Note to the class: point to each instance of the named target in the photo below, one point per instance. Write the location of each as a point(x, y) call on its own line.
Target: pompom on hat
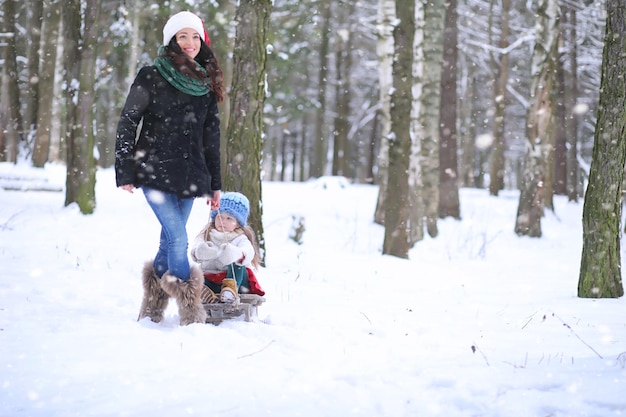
point(181, 21)
point(234, 204)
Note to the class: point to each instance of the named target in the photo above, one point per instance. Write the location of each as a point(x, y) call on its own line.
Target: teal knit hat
point(234, 204)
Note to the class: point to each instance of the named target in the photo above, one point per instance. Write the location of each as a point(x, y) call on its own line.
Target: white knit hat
point(181, 21)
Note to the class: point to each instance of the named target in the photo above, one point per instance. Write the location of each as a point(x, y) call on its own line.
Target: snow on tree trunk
point(600, 268)
point(540, 121)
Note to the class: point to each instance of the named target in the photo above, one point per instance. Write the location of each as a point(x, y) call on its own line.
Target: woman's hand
point(214, 202)
point(128, 187)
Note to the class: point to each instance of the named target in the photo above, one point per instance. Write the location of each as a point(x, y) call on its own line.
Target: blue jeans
point(173, 213)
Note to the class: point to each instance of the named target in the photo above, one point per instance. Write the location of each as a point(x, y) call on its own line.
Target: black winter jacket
point(178, 149)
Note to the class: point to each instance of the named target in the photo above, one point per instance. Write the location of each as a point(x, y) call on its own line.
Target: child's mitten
point(206, 251)
point(229, 254)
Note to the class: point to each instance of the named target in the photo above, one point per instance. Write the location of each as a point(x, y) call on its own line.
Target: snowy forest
point(420, 98)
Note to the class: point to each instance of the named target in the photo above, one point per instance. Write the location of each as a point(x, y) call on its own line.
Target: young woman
point(174, 158)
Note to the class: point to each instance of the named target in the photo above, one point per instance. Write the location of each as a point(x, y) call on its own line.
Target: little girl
point(227, 253)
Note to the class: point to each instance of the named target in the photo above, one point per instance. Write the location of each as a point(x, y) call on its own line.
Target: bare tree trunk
point(416, 176)
point(320, 140)
point(343, 63)
point(369, 176)
point(302, 162)
point(245, 125)
point(540, 122)
point(33, 58)
point(571, 120)
point(449, 203)
point(293, 141)
point(81, 164)
point(71, 43)
point(501, 71)
point(283, 156)
point(46, 84)
point(397, 199)
point(468, 135)
point(600, 268)
point(273, 149)
point(385, 52)
point(560, 115)
point(13, 125)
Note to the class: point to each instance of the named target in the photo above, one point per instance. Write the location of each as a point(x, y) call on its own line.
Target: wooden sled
point(247, 307)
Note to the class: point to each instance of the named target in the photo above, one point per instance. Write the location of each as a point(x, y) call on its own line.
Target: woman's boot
point(187, 294)
point(154, 298)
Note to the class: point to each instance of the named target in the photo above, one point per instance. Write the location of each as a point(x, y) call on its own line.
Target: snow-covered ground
point(479, 322)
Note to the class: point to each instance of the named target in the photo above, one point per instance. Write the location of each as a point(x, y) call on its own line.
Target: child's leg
point(238, 273)
point(213, 286)
point(235, 275)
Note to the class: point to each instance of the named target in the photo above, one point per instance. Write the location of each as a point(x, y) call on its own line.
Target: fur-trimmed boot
point(187, 294)
point(229, 293)
point(154, 298)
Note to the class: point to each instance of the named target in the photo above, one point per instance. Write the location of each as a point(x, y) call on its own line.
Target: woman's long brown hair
point(206, 58)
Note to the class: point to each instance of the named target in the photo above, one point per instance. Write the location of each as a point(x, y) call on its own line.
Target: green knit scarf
point(177, 79)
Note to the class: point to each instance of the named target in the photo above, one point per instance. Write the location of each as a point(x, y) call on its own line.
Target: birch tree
point(433, 24)
point(600, 267)
point(247, 96)
point(540, 121)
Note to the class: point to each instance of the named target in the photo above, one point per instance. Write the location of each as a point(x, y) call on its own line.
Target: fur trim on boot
point(187, 294)
point(154, 298)
point(229, 293)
